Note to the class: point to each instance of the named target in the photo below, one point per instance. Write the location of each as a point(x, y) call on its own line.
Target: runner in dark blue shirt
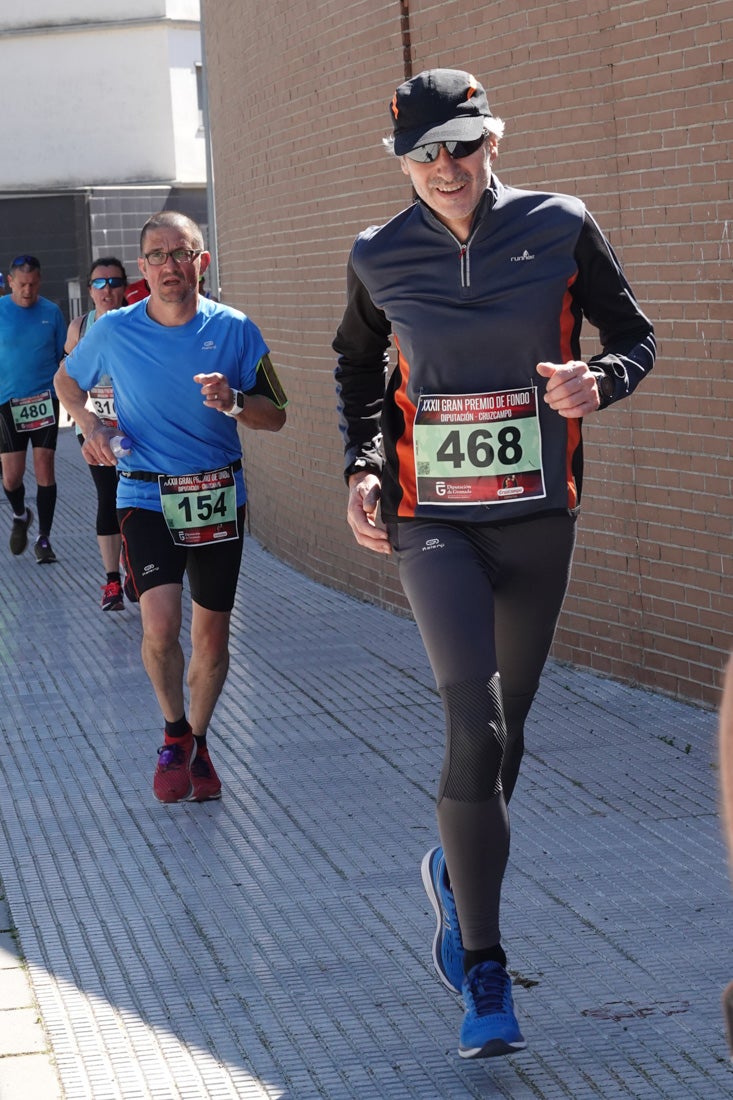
point(472, 449)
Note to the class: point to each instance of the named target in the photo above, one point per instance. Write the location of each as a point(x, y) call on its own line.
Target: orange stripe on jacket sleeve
point(404, 445)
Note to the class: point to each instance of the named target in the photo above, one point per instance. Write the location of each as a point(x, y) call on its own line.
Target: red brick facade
point(626, 105)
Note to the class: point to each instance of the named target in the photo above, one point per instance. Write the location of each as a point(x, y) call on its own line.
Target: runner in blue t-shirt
point(32, 332)
point(181, 494)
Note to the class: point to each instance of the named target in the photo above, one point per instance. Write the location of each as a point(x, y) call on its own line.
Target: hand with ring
point(216, 391)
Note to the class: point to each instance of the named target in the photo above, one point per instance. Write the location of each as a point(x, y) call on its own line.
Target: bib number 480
point(34, 412)
point(479, 450)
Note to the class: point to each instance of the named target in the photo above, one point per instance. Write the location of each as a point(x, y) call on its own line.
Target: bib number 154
point(203, 507)
point(200, 508)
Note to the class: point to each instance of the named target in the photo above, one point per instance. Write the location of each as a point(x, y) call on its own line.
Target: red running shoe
point(112, 598)
point(206, 783)
point(172, 779)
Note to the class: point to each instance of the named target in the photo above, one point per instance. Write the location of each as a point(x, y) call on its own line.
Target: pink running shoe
point(206, 783)
point(172, 779)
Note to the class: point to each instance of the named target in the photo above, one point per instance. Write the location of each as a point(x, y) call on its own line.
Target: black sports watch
point(360, 466)
point(237, 404)
point(606, 387)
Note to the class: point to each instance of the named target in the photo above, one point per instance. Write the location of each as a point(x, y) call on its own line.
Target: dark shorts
point(12, 441)
point(154, 559)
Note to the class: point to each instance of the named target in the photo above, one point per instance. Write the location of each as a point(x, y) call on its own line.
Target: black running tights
point(486, 600)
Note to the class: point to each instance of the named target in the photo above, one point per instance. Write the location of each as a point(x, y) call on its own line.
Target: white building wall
point(63, 12)
point(100, 101)
point(184, 54)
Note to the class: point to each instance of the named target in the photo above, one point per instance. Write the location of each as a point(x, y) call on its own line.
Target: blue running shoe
point(447, 942)
point(490, 1027)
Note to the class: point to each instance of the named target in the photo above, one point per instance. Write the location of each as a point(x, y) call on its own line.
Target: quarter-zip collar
point(481, 212)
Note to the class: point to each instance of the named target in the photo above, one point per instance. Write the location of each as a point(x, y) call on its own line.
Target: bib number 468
point(479, 450)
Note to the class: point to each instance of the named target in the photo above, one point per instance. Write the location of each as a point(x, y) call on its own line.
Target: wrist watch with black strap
point(238, 402)
point(606, 386)
point(361, 466)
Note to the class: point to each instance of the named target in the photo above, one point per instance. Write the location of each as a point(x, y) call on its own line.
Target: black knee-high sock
point(17, 499)
point(46, 501)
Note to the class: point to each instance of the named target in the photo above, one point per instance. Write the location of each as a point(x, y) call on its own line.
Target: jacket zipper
point(464, 258)
point(465, 266)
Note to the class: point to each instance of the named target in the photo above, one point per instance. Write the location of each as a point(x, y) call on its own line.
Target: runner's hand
point(364, 490)
point(216, 391)
point(95, 447)
point(572, 390)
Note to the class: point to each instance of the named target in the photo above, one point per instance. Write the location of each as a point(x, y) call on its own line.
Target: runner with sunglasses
point(32, 331)
point(186, 372)
point(473, 452)
point(106, 283)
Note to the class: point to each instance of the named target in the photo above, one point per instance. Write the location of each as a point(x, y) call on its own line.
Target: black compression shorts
point(12, 441)
point(154, 559)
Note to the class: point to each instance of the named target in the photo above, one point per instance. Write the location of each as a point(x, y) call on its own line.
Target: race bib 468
point(479, 448)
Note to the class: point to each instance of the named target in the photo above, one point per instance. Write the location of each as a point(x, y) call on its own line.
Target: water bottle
point(120, 446)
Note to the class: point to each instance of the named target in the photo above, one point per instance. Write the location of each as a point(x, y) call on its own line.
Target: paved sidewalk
point(277, 944)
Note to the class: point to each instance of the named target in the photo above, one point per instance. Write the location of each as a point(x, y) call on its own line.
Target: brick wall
point(626, 105)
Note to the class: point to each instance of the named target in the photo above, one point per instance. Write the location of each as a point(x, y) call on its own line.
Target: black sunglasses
point(426, 154)
point(101, 282)
point(26, 261)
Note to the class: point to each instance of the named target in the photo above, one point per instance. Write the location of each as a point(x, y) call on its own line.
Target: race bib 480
point(31, 413)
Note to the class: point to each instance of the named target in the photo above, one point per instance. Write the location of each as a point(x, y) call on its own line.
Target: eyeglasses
point(26, 261)
point(181, 256)
point(114, 281)
point(425, 154)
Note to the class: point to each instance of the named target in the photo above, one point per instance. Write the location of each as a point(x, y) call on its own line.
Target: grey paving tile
point(30, 1076)
point(19, 1032)
point(10, 953)
point(15, 990)
point(276, 945)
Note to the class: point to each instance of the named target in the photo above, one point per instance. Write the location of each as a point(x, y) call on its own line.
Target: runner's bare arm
point(261, 411)
point(96, 436)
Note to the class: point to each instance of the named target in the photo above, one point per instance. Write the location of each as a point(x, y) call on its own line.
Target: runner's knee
point(476, 739)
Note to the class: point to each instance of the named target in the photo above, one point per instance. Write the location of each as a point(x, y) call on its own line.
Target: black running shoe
point(44, 550)
point(19, 533)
